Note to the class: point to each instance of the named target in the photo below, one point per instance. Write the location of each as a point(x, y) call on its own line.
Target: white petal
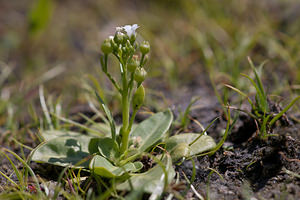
point(128, 29)
point(119, 28)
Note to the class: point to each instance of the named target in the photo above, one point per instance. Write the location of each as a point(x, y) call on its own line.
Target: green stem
point(132, 119)
point(131, 83)
point(125, 112)
point(124, 130)
point(131, 158)
point(113, 82)
point(142, 60)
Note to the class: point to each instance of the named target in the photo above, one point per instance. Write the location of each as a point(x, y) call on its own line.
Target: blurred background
point(56, 44)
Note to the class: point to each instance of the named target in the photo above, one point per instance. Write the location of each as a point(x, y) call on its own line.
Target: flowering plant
point(116, 151)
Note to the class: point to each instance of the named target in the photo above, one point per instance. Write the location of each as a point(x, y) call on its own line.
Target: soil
point(248, 167)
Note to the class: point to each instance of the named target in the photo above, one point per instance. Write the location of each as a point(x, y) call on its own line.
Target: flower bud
point(145, 47)
point(140, 75)
point(119, 37)
point(106, 47)
point(146, 58)
point(133, 64)
point(138, 97)
point(129, 47)
point(132, 39)
point(114, 46)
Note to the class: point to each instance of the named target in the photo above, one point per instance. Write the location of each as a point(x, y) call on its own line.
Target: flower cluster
point(123, 45)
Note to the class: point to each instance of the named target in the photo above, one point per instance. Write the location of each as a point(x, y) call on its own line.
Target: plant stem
point(142, 60)
point(125, 112)
point(124, 130)
point(132, 119)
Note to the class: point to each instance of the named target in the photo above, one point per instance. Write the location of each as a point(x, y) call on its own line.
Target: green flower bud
point(119, 37)
point(129, 47)
point(145, 47)
point(140, 75)
point(138, 97)
point(133, 64)
point(132, 39)
point(146, 58)
point(106, 47)
point(114, 46)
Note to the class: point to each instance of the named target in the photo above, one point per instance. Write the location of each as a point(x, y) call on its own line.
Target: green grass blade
point(260, 85)
point(27, 166)
point(241, 93)
point(184, 122)
point(17, 172)
point(98, 87)
point(77, 124)
point(10, 180)
point(44, 107)
point(210, 124)
point(221, 142)
point(259, 82)
point(219, 145)
point(57, 188)
point(109, 115)
point(262, 101)
point(263, 129)
point(22, 145)
point(98, 113)
point(284, 110)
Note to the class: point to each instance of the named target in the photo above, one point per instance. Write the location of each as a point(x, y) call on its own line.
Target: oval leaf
point(153, 181)
point(63, 151)
point(51, 134)
point(107, 147)
point(178, 145)
point(102, 167)
point(102, 128)
point(152, 129)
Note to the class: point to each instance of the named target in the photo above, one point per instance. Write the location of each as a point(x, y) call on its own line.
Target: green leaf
point(64, 151)
point(107, 147)
point(51, 134)
point(257, 78)
point(102, 167)
point(101, 127)
point(109, 115)
point(184, 117)
point(152, 129)
point(261, 95)
point(136, 194)
point(179, 147)
point(261, 100)
point(241, 93)
point(153, 181)
point(105, 129)
point(277, 116)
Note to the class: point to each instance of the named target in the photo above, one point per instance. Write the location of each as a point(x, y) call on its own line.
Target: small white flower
point(128, 29)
